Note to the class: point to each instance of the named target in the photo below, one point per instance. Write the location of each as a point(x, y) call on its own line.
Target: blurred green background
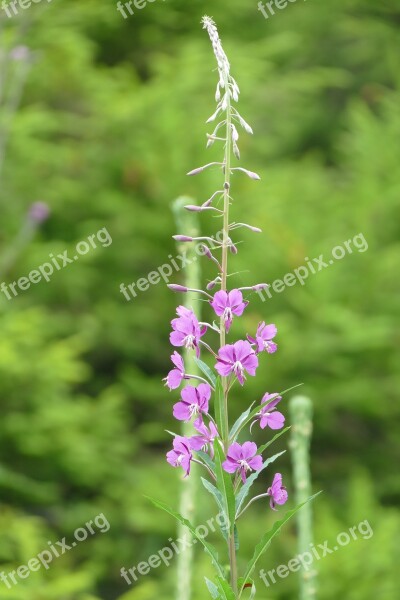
point(110, 118)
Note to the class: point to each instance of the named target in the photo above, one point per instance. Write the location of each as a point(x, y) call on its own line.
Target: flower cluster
point(233, 362)
point(233, 465)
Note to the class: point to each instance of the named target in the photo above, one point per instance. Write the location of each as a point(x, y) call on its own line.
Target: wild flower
point(232, 466)
point(242, 459)
point(194, 403)
point(277, 491)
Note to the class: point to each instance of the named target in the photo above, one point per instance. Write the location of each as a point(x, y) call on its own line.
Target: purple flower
point(237, 358)
point(186, 330)
point(194, 402)
point(277, 491)
point(206, 438)
point(265, 333)
point(20, 53)
point(175, 376)
point(39, 212)
point(181, 455)
point(268, 416)
point(228, 304)
point(243, 459)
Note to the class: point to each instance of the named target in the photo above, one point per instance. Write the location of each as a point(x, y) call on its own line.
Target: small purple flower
point(228, 304)
point(39, 212)
point(175, 376)
point(194, 402)
point(181, 455)
point(186, 330)
point(277, 491)
point(243, 459)
point(206, 438)
point(20, 53)
point(268, 416)
point(265, 333)
point(237, 358)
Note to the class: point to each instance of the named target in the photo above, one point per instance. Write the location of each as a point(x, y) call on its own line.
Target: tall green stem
point(224, 275)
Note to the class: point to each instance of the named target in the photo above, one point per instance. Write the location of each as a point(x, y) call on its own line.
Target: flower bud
point(177, 288)
point(250, 174)
point(193, 208)
point(182, 238)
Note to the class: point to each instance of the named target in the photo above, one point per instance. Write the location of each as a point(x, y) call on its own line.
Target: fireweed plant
point(231, 466)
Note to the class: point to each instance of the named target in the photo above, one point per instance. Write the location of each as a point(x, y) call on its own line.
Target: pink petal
point(268, 332)
point(235, 451)
point(223, 369)
point(249, 449)
point(181, 411)
point(256, 463)
point(276, 420)
point(178, 361)
point(177, 338)
point(188, 394)
point(174, 379)
point(229, 466)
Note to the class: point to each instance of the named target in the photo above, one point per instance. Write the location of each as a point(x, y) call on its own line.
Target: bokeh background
point(101, 121)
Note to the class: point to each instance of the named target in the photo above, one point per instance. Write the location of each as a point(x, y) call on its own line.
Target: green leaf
point(268, 444)
point(207, 371)
point(211, 551)
point(225, 485)
point(236, 537)
point(219, 408)
point(268, 537)
point(225, 590)
point(206, 459)
point(237, 425)
point(240, 498)
point(222, 591)
point(219, 500)
point(212, 588)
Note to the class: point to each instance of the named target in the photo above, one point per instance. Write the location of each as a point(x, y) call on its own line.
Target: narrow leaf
point(268, 444)
point(268, 537)
point(225, 485)
point(206, 459)
point(211, 551)
point(237, 425)
point(219, 408)
point(236, 536)
point(225, 589)
point(212, 588)
point(207, 371)
point(219, 500)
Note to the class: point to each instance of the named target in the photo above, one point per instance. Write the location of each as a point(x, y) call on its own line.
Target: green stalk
point(301, 418)
point(224, 275)
point(188, 222)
